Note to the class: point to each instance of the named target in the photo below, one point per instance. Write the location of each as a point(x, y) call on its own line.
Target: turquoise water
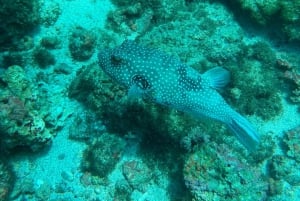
point(70, 131)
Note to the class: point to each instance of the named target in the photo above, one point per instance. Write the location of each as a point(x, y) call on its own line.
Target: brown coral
point(292, 142)
point(291, 75)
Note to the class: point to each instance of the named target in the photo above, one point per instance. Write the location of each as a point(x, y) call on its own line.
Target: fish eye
point(115, 59)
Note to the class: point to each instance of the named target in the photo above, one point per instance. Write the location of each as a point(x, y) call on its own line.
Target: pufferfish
point(152, 74)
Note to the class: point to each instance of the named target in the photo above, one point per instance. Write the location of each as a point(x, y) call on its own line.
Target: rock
point(63, 68)
point(67, 176)
point(137, 174)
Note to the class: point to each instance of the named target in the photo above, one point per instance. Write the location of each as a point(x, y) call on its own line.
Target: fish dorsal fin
point(218, 77)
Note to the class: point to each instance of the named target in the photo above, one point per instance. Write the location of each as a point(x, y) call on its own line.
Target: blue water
point(70, 132)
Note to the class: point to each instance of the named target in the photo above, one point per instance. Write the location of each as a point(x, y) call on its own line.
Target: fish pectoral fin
point(135, 91)
point(218, 77)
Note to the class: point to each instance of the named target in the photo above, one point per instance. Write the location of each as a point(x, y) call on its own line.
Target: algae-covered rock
point(17, 19)
point(282, 168)
point(17, 82)
point(279, 167)
point(6, 180)
point(291, 140)
point(135, 18)
point(21, 122)
point(284, 15)
point(122, 115)
point(260, 11)
point(215, 172)
point(82, 44)
point(137, 174)
point(102, 155)
point(122, 190)
point(43, 57)
point(290, 15)
point(21, 126)
point(265, 149)
point(255, 82)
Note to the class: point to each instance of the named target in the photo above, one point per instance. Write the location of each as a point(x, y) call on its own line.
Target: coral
point(21, 125)
point(24, 19)
point(291, 140)
point(102, 155)
point(288, 64)
point(146, 121)
point(275, 188)
point(137, 18)
point(265, 150)
point(50, 42)
point(278, 167)
point(130, 19)
point(6, 180)
point(17, 82)
point(50, 12)
point(263, 52)
point(215, 172)
point(202, 47)
point(293, 76)
point(261, 11)
point(122, 191)
point(82, 44)
point(43, 57)
point(265, 13)
point(283, 169)
point(256, 67)
point(15, 109)
point(195, 137)
point(94, 88)
point(86, 126)
point(137, 174)
point(290, 15)
point(12, 58)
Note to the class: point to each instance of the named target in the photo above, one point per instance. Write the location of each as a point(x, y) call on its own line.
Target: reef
point(51, 42)
point(290, 74)
point(203, 48)
point(14, 27)
point(184, 157)
point(281, 15)
point(102, 154)
point(291, 142)
point(136, 18)
point(82, 44)
point(256, 66)
point(282, 168)
point(137, 174)
point(43, 57)
point(245, 58)
point(216, 172)
point(22, 123)
point(6, 179)
point(110, 104)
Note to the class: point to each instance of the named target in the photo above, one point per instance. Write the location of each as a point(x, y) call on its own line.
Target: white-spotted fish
point(152, 74)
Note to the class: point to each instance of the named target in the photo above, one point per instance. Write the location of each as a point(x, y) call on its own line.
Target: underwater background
point(68, 132)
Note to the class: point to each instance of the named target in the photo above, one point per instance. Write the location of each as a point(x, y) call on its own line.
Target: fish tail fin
point(244, 131)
